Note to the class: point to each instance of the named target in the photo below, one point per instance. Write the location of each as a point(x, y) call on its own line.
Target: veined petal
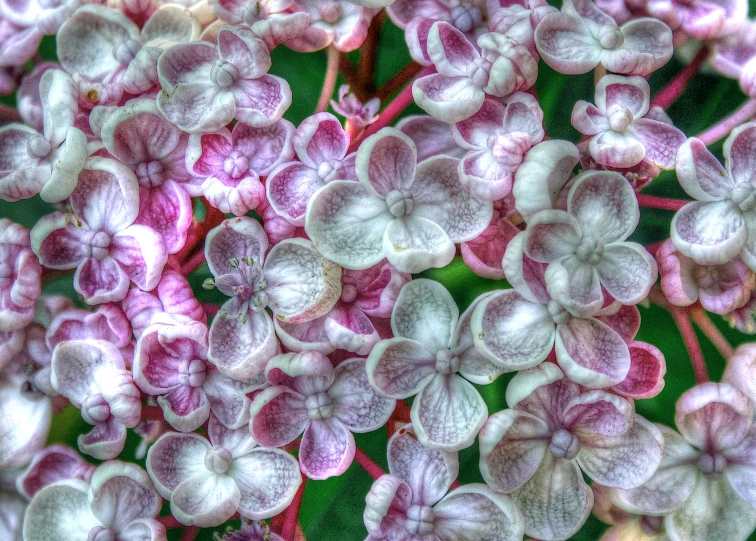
point(206, 501)
point(278, 416)
point(448, 99)
point(268, 479)
point(261, 102)
point(356, 404)
point(399, 368)
point(414, 244)
point(627, 271)
point(386, 161)
point(700, 173)
point(327, 449)
point(60, 512)
point(475, 512)
point(709, 232)
point(426, 313)
point(566, 44)
point(239, 349)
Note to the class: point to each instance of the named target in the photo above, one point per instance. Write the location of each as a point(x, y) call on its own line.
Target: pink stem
point(399, 104)
point(190, 532)
point(332, 72)
point(712, 333)
point(170, 522)
point(152, 413)
point(675, 88)
point(691, 344)
point(399, 80)
point(721, 130)
point(194, 262)
point(289, 528)
point(373, 469)
point(654, 202)
point(653, 248)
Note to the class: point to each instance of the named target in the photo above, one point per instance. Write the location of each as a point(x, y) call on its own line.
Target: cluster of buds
point(167, 161)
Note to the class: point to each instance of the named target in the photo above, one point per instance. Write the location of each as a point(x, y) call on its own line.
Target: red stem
point(724, 127)
point(194, 262)
point(289, 529)
point(712, 333)
point(399, 104)
point(152, 413)
point(399, 80)
point(210, 309)
point(9, 115)
point(329, 84)
point(675, 88)
point(691, 344)
point(373, 469)
point(170, 522)
point(190, 532)
point(654, 202)
point(653, 248)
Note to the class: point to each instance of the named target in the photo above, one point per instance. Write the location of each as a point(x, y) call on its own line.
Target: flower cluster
point(160, 143)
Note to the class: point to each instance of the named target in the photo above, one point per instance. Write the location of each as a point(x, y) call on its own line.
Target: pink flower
point(208, 481)
point(99, 238)
point(411, 502)
point(321, 146)
point(308, 396)
point(622, 134)
point(701, 19)
point(52, 464)
point(358, 114)
point(539, 450)
point(206, 86)
point(581, 37)
point(465, 75)
point(20, 277)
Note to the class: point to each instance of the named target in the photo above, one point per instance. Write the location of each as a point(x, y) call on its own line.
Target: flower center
point(38, 147)
point(712, 465)
point(610, 36)
point(348, 293)
point(509, 149)
point(744, 196)
point(98, 533)
point(447, 362)
point(192, 373)
point(620, 118)
point(331, 12)
point(564, 445)
point(95, 244)
point(319, 406)
point(557, 312)
point(218, 459)
point(150, 174)
point(223, 73)
point(95, 410)
point(480, 71)
point(465, 17)
point(331, 170)
point(236, 164)
point(707, 276)
point(590, 250)
point(400, 203)
point(125, 50)
point(419, 520)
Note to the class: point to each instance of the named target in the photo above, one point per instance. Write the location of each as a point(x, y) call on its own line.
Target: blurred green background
point(332, 509)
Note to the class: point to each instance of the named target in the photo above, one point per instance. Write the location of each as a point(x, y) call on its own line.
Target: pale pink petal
point(239, 238)
point(266, 147)
point(245, 50)
point(386, 162)
point(710, 233)
point(268, 479)
point(425, 312)
point(197, 107)
point(327, 449)
point(279, 415)
point(174, 458)
point(604, 205)
point(646, 376)
point(54, 463)
point(512, 447)
point(551, 234)
point(566, 44)
point(356, 404)
point(661, 141)
point(432, 137)
point(448, 99)
point(400, 368)
point(101, 280)
point(449, 50)
point(347, 224)
point(241, 349)
point(700, 173)
point(105, 441)
point(289, 188)
point(60, 513)
point(350, 329)
point(647, 47)
point(140, 252)
point(476, 512)
point(24, 425)
point(121, 493)
point(206, 501)
point(320, 139)
point(627, 271)
point(261, 102)
point(385, 508)
point(738, 150)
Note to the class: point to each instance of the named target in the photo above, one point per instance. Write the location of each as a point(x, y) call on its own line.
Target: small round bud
point(400, 203)
point(610, 36)
point(218, 459)
point(223, 73)
point(564, 445)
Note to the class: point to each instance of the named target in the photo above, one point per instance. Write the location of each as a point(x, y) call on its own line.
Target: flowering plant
point(478, 292)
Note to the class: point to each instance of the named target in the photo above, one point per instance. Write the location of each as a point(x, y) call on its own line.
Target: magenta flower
point(107, 323)
point(466, 75)
point(717, 227)
point(340, 22)
point(358, 114)
point(411, 502)
point(208, 481)
point(432, 355)
point(581, 37)
point(585, 246)
point(353, 324)
point(517, 329)
point(294, 281)
point(229, 164)
point(171, 301)
point(321, 145)
point(538, 450)
point(93, 376)
point(142, 140)
point(170, 362)
point(411, 214)
point(326, 405)
point(621, 134)
point(720, 288)
point(20, 277)
point(99, 238)
point(484, 254)
point(497, 138)
point(206, 86)
point(119, 503)
point(701, 19)
point(705, 483)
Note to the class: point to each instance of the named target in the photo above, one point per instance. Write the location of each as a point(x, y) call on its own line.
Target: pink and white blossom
point(20, 277)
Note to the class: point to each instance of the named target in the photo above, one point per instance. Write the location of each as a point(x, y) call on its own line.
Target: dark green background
point(332, 509)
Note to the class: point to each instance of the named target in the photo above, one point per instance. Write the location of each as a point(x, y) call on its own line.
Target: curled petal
point(709, 233)
point(476, 512)
point(448, 99)
point(426, 313)
point(240, 349)
point(60, 512)
point(174, 458)
point(206, 500)
point(386, 161)
point(327, 449)
point(566, 44)
point(278, 416)
point(399, 368)
point(268, 479)
point(356, 404)
point(700, 173)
